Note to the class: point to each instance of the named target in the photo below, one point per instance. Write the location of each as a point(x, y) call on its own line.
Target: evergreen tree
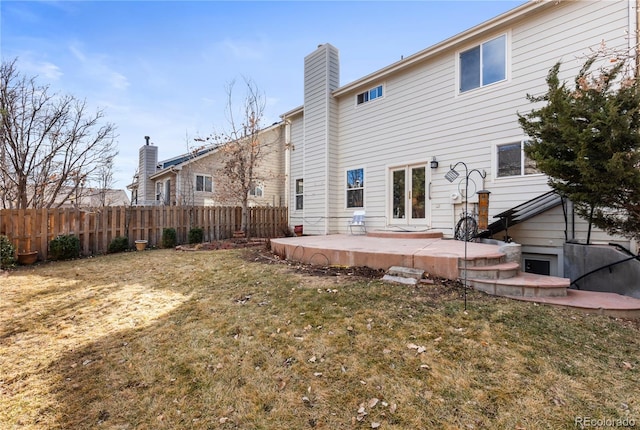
point(586, 139)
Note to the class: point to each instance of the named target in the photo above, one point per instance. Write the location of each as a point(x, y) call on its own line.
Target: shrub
point(196, 235)
point(7, 252)
point(169, 238)
point(64, 247)
point(118, 244)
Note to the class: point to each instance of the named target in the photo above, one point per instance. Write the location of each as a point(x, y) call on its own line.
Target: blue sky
point(161, 68)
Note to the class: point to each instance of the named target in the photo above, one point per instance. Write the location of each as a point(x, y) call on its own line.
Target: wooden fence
point(32, 229)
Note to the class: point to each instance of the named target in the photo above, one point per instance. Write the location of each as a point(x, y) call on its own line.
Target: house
point(77, 197)
point(386, 142)
point(92, 198)
point(195, 178)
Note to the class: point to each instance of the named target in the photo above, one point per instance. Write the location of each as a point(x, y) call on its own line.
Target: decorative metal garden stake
point(451, 176)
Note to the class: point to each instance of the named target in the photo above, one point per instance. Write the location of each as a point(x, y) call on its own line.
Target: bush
point(7, 252)
point(196, 235)
point(169, 238)
point(64, 247)
point(118, 244)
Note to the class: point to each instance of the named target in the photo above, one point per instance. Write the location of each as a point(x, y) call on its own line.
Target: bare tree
point(104, 178)
point(52, 146)
point(242, 149)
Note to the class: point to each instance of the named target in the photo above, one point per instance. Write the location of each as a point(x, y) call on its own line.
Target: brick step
point(523, 285)
point(497, 271)
point(481, 261)
point(403, 275)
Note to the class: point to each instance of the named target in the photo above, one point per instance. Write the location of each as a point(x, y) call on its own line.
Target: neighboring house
point(195, 178)
point(94, 198)
point(82, 198)
point(385, 142)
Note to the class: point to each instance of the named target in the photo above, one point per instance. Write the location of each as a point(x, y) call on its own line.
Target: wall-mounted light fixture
point(434, 163)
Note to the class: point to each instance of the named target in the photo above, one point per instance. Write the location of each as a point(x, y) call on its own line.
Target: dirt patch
point(264, 255)
point(223, 244)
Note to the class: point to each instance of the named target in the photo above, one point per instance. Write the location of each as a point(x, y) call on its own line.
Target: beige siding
point(321, 77)
point(548, 230)
point(269, 172)
point(296, 217)
point(421, 114)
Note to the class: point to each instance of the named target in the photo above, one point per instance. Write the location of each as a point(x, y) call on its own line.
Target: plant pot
point(141, 245)
point(27, 258)
point(297, 230)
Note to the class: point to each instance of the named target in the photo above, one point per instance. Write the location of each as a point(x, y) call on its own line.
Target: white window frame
point(204, 183)
point(507, 65)
point(371, 94)
point(296, 194)
point(496, 160)
point(255, 186)
point(347, 189)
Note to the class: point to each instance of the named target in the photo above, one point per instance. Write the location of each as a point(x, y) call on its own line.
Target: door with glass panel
point(408, 199)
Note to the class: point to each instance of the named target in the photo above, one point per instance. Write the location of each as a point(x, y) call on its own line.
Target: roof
point(523, 212)
point(505, 19)
point(178, 161)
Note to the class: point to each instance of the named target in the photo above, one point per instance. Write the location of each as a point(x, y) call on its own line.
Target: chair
point(358, 222)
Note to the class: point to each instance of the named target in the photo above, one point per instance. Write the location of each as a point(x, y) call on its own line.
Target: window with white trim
point(299, 194)
point(355, 188)
point(256, 189)
point(367, 96)
point(483, 64)
point(204, 183)
point(512, 160)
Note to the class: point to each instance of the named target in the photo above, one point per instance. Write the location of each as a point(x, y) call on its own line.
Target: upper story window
point(355, 188)
point(367, 96)
point(512, 160)
point(256, 189)
point(204, 183)
point(484, 64)
point(299, 194)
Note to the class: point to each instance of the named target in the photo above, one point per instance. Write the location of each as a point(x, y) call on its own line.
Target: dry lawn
point(228, 339)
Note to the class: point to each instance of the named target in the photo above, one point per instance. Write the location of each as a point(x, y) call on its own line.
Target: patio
point(489, 268)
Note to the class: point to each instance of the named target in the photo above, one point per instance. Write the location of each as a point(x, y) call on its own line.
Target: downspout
point(634, 30)
point(636, 41)
point(287, 167)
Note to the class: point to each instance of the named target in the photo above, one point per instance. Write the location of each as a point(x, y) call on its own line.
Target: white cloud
point(244, 49)
point(98, 67)
point(51, 71)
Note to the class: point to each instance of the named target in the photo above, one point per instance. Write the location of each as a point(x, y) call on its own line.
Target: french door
point(408, 199)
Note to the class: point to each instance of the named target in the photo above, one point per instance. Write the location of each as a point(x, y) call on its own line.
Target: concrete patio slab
point(445, 258)
point(436, 256)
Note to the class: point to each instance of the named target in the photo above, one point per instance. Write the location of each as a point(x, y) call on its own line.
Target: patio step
point(492, 259)
point(496, 271)
point(523, 285)
point(403, 275)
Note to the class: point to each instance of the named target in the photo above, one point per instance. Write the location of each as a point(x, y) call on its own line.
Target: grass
point(226, 339)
